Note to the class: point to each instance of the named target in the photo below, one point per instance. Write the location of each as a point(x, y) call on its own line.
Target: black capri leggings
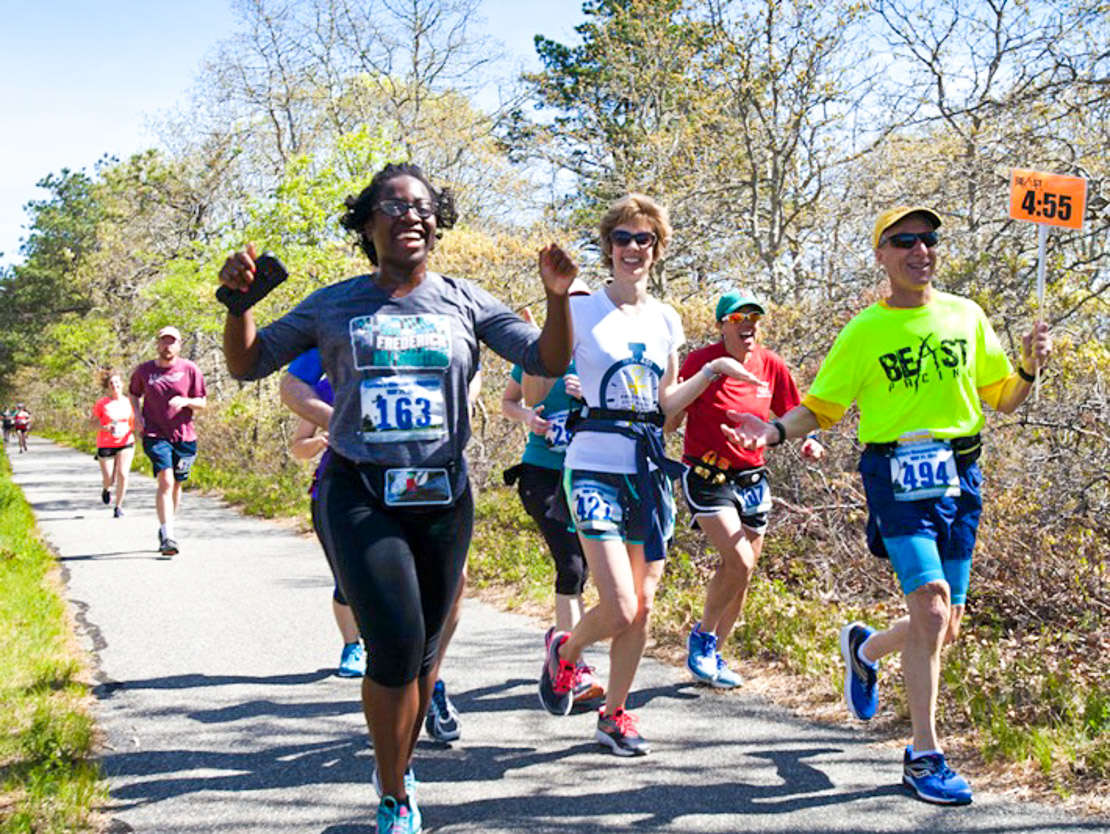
point(535, 486)
point(398, 569)
point(337, 594)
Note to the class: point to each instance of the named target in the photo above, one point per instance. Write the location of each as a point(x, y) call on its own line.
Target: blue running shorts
point(176, 454)
point(926, 540)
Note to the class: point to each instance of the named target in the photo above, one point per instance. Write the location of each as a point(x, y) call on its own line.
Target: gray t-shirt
point(399, 366)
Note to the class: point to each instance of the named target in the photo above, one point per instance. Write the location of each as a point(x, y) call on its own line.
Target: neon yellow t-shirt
point(916, 369)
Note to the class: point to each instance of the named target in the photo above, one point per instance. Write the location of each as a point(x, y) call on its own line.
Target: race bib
point(417, 487)
point(924, 470)
point(755, 499)
point(557, 437)
point(397, 409)
point(595, 506)
point(119, 429)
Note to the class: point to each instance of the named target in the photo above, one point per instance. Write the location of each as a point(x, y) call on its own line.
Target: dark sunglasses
point(907, 240)
point(620, 237)
point(397, 208)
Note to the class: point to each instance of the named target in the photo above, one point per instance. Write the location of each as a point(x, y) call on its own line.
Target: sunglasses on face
point(397, 208)
point(737, 317)
point(907, 240)
point(620, 237)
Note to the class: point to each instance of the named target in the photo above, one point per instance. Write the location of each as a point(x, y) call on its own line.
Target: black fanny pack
point(624, 415)
point(967, 449)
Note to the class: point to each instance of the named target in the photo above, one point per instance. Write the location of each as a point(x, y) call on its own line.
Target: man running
point(917, 364)
point(171, 390)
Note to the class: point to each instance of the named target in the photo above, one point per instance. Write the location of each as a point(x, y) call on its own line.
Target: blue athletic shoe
point(860, 680)
point(726, 678)
point(932, 780)
point(397, 818)
point(701, 658)
point(410, 789)
point(352, 663)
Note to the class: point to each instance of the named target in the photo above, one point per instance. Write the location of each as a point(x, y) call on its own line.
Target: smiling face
point(740, 337)
point(403, 243)
point(910, 270)
point(633, 262)
point(115, 385)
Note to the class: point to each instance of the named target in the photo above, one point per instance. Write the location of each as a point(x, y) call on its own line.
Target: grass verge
point(48, 780)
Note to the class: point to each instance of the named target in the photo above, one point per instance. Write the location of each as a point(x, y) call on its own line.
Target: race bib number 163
point(402, 408)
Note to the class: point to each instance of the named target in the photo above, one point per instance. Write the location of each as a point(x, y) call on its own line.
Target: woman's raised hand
point(557, 269)
point(238, 270)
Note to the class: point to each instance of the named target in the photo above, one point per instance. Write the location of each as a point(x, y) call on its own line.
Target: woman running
point(726, 486)
point(617, 478)
point(399, 346)
point(21, 422)
point(114, 419)
point(543, 405)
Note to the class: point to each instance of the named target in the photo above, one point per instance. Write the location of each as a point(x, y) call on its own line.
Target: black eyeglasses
point(907, 240)
point(621, 237)
point(396, 208)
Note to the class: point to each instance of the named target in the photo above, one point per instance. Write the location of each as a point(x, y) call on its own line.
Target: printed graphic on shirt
point(633, 383)
point(930, 360)
point(383, 341)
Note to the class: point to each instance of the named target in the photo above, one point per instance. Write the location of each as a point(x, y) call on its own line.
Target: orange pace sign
point(1052, 199)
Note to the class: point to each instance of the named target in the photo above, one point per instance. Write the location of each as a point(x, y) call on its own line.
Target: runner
point(300, 391)
point(171, 391)
point(8, 415)
point(543, 405)
point(617, 479)
point(917, 364)
point(308, 442)
point(726, 486)
point(114, 419)
point(21, 422)
point(399, 346)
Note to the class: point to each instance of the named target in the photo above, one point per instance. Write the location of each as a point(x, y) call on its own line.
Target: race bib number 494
point(402, 408)
point(924, 470)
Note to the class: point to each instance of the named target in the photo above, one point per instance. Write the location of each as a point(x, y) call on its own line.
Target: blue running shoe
point(442, 720)
point(860, 680)
point(410, 789)
point(397, 818)
point(932, 780)
point(701, 658)
point(726, 678)
point(352, 662)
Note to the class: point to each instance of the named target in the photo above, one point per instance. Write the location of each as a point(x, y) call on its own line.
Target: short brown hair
point(633, 207)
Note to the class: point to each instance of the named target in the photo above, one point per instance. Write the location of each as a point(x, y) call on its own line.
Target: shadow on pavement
point(107, 689)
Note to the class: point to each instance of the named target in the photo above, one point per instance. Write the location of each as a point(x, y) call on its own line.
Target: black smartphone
point(268, 273)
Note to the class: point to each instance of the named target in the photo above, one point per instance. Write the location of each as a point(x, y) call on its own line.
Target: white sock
point(917, 754)
point(167, 530)
point(874, 664)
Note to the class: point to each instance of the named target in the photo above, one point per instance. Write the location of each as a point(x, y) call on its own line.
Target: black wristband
point(1026, 376)
point(782, 432)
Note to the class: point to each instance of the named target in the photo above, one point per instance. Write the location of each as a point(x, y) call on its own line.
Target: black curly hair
point(361, 207)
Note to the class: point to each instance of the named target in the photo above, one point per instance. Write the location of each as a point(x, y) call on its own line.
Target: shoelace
point(626, 722)
point(566, 677)
point(439, 697)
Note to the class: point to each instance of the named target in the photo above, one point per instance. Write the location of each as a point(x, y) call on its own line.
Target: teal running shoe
point(701, 657)
point(410, 789)
point(397, 818)
point(932, 780)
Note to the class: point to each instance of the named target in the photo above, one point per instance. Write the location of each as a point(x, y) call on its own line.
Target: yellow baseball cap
point(892, 215)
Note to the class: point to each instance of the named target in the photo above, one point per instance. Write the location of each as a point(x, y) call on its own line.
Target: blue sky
point(84, 78)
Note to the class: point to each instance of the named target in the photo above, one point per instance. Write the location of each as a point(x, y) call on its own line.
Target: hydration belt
point(624, 415)
point(743, 478)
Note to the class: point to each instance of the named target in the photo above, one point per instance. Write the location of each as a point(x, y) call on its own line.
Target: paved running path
point(221, 713)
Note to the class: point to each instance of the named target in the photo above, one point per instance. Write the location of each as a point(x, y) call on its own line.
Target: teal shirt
point(549, 451)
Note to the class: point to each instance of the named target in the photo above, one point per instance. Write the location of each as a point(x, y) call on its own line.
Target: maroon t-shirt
point(157, 386)
point(704, 416)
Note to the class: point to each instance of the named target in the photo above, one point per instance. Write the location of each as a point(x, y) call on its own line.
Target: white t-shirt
point(621, 357)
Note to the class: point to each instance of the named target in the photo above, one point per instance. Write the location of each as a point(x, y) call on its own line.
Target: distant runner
point(917, 364)
point(166, 393)
point(114, 419)
point(21, 422)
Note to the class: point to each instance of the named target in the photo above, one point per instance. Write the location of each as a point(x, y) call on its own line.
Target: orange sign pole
point(1047, 200)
